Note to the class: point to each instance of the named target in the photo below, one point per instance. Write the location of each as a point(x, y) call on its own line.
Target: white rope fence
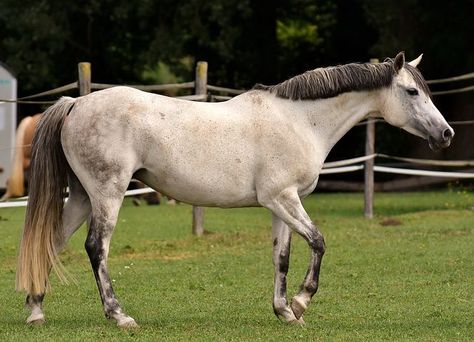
point(23, 201)
point(414, 172)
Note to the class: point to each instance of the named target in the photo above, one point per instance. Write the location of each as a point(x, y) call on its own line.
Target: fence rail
point(153, 87)
point(452, 79)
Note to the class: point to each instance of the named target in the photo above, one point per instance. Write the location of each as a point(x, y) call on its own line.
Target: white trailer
point(8, 91)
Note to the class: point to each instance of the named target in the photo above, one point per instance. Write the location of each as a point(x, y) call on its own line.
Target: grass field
point(406, 275)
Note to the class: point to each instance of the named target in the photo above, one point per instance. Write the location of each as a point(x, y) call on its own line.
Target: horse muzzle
point(442, 141)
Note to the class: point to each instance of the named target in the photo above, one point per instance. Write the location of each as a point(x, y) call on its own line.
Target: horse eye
point(412, 91)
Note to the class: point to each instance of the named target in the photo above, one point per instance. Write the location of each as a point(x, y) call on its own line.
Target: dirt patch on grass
point(159, 255)
point(390, 221)
point(192, 247)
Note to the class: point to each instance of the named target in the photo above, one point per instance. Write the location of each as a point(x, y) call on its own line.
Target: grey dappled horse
point(265, 147)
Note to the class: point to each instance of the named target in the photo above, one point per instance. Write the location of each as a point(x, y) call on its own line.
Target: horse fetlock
point(282, 310)
point(310, 286)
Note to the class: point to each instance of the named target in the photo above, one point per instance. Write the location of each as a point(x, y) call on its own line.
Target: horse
point(21, 157)
point(265, 147)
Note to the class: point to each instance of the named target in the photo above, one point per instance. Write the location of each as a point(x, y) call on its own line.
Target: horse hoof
point(298, 308)
point(127, 323)
point(299, 321)
point(35, 320)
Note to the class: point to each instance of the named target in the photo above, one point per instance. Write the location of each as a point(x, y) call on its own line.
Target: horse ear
point(414, 63)
point(399, 61)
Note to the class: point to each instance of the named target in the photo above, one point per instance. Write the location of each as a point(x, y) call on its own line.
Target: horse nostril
point(447, 134)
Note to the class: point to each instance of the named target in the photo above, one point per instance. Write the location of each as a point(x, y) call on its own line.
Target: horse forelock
point(329, 82)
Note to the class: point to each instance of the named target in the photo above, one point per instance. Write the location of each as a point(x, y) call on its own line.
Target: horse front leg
point(287, 206)
point(281, 235)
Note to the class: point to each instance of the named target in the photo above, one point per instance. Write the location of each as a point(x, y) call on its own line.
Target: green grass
point(406, 275)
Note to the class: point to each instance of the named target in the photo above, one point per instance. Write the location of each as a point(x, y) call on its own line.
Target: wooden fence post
point(84, 69)
point(369, 166)
point(200, 87)
point(369, 170)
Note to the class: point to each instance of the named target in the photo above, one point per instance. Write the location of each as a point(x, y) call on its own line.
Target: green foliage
point(406, 275)
point(294, 32)
point(161, 73)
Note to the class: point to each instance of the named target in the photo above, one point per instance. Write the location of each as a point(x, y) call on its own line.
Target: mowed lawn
point(406, 275)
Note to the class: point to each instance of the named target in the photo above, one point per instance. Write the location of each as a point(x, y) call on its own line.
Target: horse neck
point(332, 118)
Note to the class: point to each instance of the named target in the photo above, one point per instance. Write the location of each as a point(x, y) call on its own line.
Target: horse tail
point(43, 222)
point(16, 181)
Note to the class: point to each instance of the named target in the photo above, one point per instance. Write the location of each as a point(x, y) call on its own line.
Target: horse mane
point(323, 83)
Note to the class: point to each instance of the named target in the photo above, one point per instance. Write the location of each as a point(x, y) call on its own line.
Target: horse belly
point(209, 189)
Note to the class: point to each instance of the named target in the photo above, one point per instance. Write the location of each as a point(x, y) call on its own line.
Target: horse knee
point(311, 286)
point(317, 243)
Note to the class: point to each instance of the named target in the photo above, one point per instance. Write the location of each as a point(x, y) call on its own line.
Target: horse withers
point(265, 147)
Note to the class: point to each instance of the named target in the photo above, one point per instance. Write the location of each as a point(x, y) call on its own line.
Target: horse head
point(407, 104)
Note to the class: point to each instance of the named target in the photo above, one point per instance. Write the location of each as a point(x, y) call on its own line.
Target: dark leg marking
point(97, 257)
point(281, 258)
point(287, 206)
point(101, 226)
point(309, 287)
point(34, 300)
point(35, 304)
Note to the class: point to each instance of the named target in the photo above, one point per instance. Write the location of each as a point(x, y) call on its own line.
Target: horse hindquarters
point(104, 164)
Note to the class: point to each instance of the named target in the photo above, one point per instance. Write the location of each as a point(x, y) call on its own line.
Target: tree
point(440, 29)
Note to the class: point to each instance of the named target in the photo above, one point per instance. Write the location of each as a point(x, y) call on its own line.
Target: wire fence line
point(152, 87)
point(57, 90)
point(452, 79)
point(453, 91)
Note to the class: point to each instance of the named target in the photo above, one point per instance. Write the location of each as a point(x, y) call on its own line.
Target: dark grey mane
point(329, 82)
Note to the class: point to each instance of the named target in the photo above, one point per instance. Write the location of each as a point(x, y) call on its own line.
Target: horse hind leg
point(75, 212)
point(101, 225)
